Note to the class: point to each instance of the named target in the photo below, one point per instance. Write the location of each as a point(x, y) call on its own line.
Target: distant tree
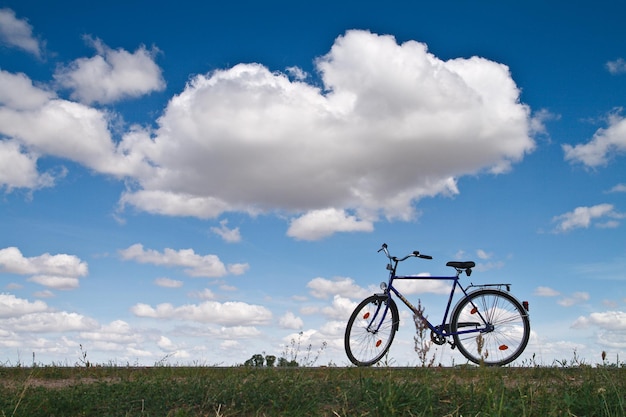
point(259, 361)
point(270, 360)
point(256, 360)
point(284, 362)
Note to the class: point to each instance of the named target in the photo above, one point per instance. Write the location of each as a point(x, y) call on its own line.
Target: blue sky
point(199, 183)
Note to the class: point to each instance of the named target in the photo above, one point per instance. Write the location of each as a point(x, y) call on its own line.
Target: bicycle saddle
point(461, 265)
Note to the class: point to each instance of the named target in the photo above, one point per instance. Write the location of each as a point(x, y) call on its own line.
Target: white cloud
point(197, 265)
point(56, 282)
point(174, 204)
point(619, 188)
point(229, 235)
point(59, 271)
point(604, 144)
point(50, 322)
point(546, 292)
point(616, 67)
point(43, 294)
point(609, 320)
point(318, 224)
point(118, 332)
point(238, 269)
point(574, 299)
point(345, 287)
point(232, 313)
point(419, 286)
point(19, 169)
point(205, 294)
point(111, 75)
point(12, 261)
point(290, 321)
point(582, 217)
point(340, 309)
point(18, 33)
point(168, 282)
point(290, 146)
point(34, 123)
point(18, 92)
point(238, 332)
point(11, 306)
point(230, 345)
point(285, 146)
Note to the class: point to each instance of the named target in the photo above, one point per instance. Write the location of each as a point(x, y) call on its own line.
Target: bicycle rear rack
point(508, 286)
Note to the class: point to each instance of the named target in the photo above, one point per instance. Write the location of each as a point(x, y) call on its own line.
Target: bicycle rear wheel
point(504, 323)
point(371, 329)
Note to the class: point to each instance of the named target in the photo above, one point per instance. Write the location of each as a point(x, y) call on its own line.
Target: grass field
point(302, 391)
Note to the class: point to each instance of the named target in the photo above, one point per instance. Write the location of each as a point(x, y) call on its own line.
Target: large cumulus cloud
point(383, 125)
point(390, 124)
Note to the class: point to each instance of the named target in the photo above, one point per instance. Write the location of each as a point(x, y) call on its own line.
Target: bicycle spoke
point(370, 330)
point(503, 332)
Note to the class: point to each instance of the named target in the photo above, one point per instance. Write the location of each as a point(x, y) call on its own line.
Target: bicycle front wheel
point(501, 323)
point(371, 329)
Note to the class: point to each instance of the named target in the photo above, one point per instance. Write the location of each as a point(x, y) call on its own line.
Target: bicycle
point(488, 325)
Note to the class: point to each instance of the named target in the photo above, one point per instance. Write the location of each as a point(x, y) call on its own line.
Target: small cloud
point(232, 313)
point(18, 33)
point(319, 224)
point(205, 294)
point(56, 282)
point(574, 299)
point(230, 345)
point(168, 283)
point(226, 287)
point(619, 188)
point(297, 73)
point(609, 320)
point(538, 120)
point(483, 255)
point(229, 235)
point(43, 294)
point(13, 286)
point(610, 224)
point(111, 75)
point(546, 292)
point(238, 269)
point(195, 265)
point(616, 67)
point(582, 217)
point(460, 254)
point(605, 145)
point(325, 288)
point(290, 321)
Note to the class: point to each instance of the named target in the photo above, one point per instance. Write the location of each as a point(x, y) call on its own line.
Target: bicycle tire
point(365, 347)
point(505, 341)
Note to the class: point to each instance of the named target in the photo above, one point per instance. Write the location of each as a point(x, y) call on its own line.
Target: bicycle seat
point(461, 265)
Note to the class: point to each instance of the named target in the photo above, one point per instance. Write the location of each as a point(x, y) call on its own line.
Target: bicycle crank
point(437, 338)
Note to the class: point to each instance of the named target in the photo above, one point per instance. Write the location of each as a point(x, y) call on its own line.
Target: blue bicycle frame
point(443, 329)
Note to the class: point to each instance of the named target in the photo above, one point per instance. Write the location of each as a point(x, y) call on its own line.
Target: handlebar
point(415, 254)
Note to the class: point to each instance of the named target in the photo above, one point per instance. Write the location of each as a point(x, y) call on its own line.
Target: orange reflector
point(474, 310)
point(378, 343)
point(366, 315)
point(503, 347)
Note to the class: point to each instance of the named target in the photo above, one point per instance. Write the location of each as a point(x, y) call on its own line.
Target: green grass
point(245, 391)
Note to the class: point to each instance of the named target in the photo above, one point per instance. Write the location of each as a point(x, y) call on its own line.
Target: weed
point(422, 338)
